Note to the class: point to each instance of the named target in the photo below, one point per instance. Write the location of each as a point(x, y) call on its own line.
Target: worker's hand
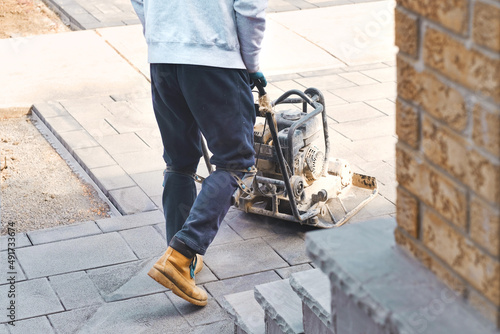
point(257, 77)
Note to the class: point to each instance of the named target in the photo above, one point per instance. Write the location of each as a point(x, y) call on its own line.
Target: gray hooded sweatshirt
point(219, 33)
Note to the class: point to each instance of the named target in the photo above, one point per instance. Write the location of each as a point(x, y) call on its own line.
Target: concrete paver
point(93, 276)
point(33, 325)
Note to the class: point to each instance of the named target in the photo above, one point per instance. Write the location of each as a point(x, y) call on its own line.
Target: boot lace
point(192, 266)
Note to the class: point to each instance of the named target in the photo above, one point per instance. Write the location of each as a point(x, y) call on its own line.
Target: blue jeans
point(190, 100)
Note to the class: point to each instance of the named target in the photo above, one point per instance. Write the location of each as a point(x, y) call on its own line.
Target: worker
point(203, 57)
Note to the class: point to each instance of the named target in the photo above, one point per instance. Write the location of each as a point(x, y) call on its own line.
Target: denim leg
point(218, 102)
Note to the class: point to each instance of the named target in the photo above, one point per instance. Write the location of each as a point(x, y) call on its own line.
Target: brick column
point(448, 153)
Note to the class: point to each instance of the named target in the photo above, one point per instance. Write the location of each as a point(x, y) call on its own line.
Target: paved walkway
point(91, 89)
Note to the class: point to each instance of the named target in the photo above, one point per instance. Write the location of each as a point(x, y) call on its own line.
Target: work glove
point(257, 77)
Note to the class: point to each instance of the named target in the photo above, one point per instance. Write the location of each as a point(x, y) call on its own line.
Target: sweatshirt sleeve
point(139, 10)
point(250, 23)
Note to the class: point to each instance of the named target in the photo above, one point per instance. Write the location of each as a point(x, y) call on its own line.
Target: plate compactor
point(295, 178)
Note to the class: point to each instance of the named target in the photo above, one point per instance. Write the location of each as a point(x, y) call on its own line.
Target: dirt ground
point(38, 189)
point(19, 18)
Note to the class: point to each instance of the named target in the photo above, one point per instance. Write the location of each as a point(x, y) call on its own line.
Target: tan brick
point(484, 307)
point(486, 25)
point(470, 68)
point(444, 148)
point(449, 13)
point(485, 225)
point(407, 124)
point(486, 129)
point(442, 102)
point(407, 212)
point(484, 176)
point(431, 186)
point(424, 256)
point(407, 37)
point(479, 269)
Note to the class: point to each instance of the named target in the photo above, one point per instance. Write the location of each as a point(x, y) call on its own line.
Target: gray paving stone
point(367, 128)
point(291, 248)
point(49, 109)
point(326, 82)
point(122, 143)
point(73, 255)
point(131, 123)
point(195, 315)
point(70, 322)
point(21, 240)
point(93, 157)
point(130, 221)
point(246, 313)
point(384, 105)
point(352, 112)
point(149, 314)
point(387, 74)
point(313, 288)
point(375, 149)
point(150, 182)
point(140, 162)
point(32, 298)
point(33, 325)
point(75, 290)
point(377, 207)
point(131, 200)
point(111, 177)
point(145, 241)
point(77, 139)
point(238, 284)
point(6, 272)
point(289, 271)
point(225, 235)
point(64, 232)
point(281, 305)
point(3, 329)
point(249, 226)
point(62, 124)
point(366, 92)
point(242, 258)
point(125, 281)
point(219, 327)
point(358, 78)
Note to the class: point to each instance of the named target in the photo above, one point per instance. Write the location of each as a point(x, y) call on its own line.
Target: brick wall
point(448, 153)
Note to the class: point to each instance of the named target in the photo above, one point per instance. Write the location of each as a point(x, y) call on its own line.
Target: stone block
point(385, 74)
point(32, 298)
point(366, 128)
point(366, 92)
point(93, 157)
point(145, 241)
point(385, 106)
point(246, 313)
point(352, 112)
point(140, 162)
point(452, 14)
point(64, 232)
point(238, 284)
point(222, 327)
point(486, 129)
point(431, 186)
point(445, 148)
point(131, 221)
point(386, 291)
point(486, 25)
point(7, 272)
point(289, 271)
point(75, 254)
point(484, 176)
point(61, 124)
point(21, 240)
point(291, 248)
point(313, 288)
point(282, 307)
point(470, 68)
point(425, 89)
point(407, 32)
point(70, 322)
point(407, 212)
point(131, 200)
point(122, 143)
point(198, 316)
point(225, 235)
point(358, 78)
point(150, 182)
point(124, 281)
point(111, 177)
point(327, 82)
point(407, 124)
point(77, 139)
point(478, 268)
point(485, 225)
point(75, 290)
point(33, 325)
point(225, 260)
point(312, 324)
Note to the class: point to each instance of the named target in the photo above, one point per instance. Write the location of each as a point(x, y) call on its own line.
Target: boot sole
point(160, 278)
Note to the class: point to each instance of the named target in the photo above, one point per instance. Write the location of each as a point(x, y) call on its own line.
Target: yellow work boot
point(176, 272)
point(199, 264)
